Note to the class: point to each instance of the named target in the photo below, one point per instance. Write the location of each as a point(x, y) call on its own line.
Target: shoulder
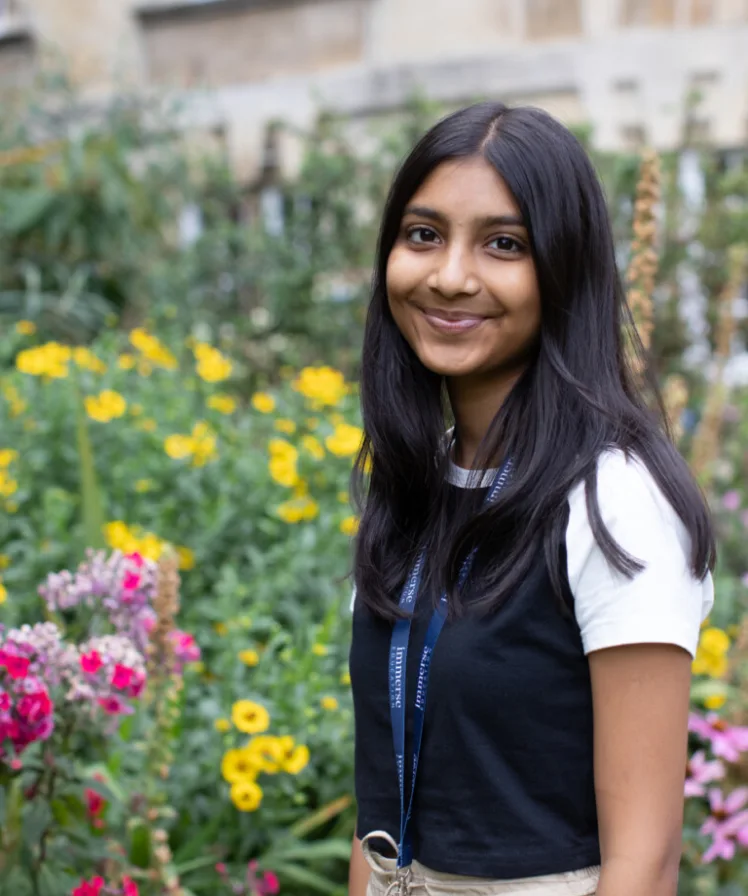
point(662, 603)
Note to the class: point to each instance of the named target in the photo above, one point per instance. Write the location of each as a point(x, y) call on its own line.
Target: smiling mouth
point(451, 322)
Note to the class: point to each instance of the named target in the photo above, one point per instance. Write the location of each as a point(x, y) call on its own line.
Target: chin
point(444, 363)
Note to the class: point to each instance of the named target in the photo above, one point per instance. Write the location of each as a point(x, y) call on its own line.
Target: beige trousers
point(422, 881)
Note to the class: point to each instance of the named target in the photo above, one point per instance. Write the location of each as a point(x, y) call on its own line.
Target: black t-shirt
point(505, 783)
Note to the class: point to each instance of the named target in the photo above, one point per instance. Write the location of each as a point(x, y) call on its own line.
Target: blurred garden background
point(179, 417)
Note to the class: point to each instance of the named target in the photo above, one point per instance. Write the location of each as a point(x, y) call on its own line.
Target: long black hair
point(577, 397)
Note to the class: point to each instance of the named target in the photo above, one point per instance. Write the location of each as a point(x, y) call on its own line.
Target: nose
point(453, 275)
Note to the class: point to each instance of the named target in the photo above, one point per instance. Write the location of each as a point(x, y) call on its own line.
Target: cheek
point(403, 274)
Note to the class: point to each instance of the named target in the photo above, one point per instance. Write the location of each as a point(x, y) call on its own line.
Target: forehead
point(466, 188)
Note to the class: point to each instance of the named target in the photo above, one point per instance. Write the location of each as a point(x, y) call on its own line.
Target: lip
point(451, 321)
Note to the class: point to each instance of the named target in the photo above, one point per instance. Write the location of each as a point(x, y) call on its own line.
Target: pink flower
point(95, 803)
point(34, 707)
point(89, 888)
point(702, 772)
point(91, 662)
point(136, 687)
point(17, 666)
point(726, 741)
point(129, 887)
point(731, 500)
point(122, 677)
point(270, 884)
point(113, 706)
point(131, 581)
point(727, 824)
point(135, 558)
point(5, 701)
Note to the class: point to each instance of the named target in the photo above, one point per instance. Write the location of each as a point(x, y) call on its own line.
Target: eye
point(422, 236)
point(507, 244)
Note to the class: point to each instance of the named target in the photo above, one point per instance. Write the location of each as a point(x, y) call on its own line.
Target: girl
point(530, 581)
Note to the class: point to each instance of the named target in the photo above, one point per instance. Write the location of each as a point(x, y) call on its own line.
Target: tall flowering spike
point(706, 440)
point(642, 269)
point(675, 398)
point(161, 651)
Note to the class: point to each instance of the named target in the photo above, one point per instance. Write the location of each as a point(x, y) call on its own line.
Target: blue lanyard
point(397, 673)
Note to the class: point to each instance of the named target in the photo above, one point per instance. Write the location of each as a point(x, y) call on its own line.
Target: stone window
point(549, 19)
point(647, 12)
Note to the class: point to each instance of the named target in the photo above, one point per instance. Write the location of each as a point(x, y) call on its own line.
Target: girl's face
point(461, 281)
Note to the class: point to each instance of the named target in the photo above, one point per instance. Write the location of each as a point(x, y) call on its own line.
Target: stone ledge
point(157, 11)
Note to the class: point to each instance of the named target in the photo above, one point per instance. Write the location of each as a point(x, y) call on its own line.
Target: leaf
point(24, 209)
point(91, 499)
point(140, 846)
point(309, 852)
point(309, 879)
point(321, 816)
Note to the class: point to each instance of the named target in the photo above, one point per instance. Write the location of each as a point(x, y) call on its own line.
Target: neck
point(475, 403)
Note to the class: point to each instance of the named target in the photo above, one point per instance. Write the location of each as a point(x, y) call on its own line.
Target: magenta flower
point(701, 772)
point(113, 706)
point(122, 677)
point(17, 666)
point(726, 741)
point(727, 824)
point(91, 662)
point(731, 500)
point(131, 581)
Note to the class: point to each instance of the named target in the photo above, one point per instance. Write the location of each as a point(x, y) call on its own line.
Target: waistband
point(418, 880)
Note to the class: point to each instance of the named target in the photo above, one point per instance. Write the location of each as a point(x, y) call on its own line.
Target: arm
point(358, 876)
point(640, 698)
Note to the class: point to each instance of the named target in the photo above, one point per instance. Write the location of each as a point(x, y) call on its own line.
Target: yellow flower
point(178, 446)
point(117, 534)
point(148, 424)
point(345, 441)
point(269, 753)
point(153, 350)
point(344, 497)
point(221, 629)
point(345, 678)
point(319, 649)
point(222, 725)
point(8, 486)
point(329, 703)
point(711, 655)
point(349, 526)
point(203, 444)
point(49, 360)
point(3, 593)
point(249, 717)
point(126, 361)
point(283, 471)
point(25, 327)
point(323, 385)
point(298, 509)
point(186, 557)
point(313, 446)
point(105, 406)
point(246, 795)
point(249, 657)
point(237, 765)
point(263, 402)
point(222, 403)
point(715, 701)
point(136, 409)
point(282, 450)
point(312, 422)
point(212, 365)
point(4, 561)
point(143, 485)
point(150, 546)
point(283, 424)
point(87, 360)
point(297, 761)
point(8, 456)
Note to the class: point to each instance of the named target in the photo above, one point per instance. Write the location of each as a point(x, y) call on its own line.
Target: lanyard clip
point(401, 885)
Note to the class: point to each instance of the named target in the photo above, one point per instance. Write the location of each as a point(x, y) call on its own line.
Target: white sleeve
point(662, 604)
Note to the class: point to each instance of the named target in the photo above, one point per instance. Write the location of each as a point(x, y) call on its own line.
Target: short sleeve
point(664, 603)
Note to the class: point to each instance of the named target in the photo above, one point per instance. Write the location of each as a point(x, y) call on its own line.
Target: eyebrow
point(422, 211)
